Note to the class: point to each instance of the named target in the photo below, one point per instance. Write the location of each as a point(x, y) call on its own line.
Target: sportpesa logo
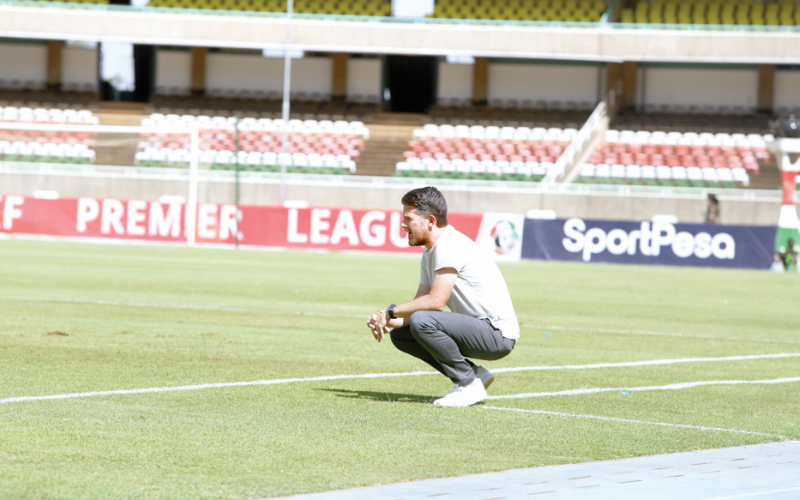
point(646, 240)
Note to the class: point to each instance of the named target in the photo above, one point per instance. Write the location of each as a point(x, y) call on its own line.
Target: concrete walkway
point(765, 471)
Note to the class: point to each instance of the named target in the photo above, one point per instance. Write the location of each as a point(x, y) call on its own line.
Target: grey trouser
point(443, 339)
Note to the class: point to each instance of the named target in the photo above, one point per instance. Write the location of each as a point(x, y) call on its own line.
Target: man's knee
point(399, 335)
point(420, 322)
point(395, 338)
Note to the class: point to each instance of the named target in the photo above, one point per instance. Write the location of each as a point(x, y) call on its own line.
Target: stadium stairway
point(118, 149)
point(389, 135)
point(769, 176)
point(121, 113)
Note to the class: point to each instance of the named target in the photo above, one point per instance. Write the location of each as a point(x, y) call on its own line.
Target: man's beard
point(416, 240)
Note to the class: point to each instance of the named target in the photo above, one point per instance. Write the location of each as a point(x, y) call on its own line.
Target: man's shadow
point(387, 397)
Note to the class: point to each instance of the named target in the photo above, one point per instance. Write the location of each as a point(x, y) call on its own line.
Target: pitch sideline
point(668, 387)
point(221, 385)
point(626, 420)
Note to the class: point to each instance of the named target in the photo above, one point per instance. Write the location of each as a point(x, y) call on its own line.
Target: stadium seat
point(485, 152)
point(312, 146)
point(726, 12)
point(680, 159)
point(47, 146)
point(519, 10)
point(344, 7)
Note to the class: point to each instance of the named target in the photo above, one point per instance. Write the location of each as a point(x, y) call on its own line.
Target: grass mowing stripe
point(754, 494)
point(182, 306)
point(656, 334)
point(221, 385)
point(669, 387)
point(129, 304)
point(614, 419)
point(255, 442)
point(365, 316)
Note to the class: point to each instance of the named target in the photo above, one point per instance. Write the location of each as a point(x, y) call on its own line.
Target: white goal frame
point(194, 151)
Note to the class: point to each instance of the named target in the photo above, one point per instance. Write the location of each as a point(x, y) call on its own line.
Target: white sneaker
point(485, 375)
point(463, 396)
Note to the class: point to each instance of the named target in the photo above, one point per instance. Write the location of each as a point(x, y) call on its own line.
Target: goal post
point(50, 148)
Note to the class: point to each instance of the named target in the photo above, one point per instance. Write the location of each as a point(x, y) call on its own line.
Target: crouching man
point(455, 273)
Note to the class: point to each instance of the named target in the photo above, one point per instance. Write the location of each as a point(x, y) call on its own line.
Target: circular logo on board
point(504, 235)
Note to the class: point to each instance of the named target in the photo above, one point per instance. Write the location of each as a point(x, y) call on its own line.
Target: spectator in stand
point(712, 210)
point(788, 255)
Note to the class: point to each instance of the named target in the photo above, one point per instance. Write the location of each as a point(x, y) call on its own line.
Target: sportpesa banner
point(93, 219)
point(649, 243)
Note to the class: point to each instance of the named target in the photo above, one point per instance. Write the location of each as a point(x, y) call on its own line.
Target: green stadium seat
point(724, 12)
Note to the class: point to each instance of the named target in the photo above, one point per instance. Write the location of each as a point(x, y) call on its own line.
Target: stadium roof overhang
point(608, 44)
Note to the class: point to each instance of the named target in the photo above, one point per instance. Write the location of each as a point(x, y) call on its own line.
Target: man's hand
point(379, 324)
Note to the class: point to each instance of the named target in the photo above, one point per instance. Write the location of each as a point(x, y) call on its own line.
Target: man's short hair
point(428, 201)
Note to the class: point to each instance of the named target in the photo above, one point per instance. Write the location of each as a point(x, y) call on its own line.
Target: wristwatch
point(390, 310)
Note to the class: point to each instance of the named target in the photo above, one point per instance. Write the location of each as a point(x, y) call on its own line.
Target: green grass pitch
point(146, 317)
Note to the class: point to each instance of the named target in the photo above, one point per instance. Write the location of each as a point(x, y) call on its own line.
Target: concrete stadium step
point(121, 113)
point(118, 149)
point(385, 147)
point(768, 177)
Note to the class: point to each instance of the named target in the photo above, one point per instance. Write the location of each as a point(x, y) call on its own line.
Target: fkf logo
point(646, 240)
point(505, 237)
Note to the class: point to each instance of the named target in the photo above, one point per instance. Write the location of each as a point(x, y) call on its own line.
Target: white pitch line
point(657, 334)
point(208, 386)
point(648, 363)
point(755, 494)
point(220, 385)
point(669, 387)
point(626, 420)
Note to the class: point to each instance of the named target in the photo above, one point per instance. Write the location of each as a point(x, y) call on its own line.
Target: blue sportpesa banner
point(649, 243)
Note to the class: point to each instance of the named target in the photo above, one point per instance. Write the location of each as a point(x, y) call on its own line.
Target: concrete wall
point(23, 65)
point(173, 72)
point(455, 82)
point(787, 89)
point(364, 78)
point(494, 40)
point(79, 68)
point(700, 86)
point(375, 195)
point(547, 82)
point(312, 75)
point(239, 72)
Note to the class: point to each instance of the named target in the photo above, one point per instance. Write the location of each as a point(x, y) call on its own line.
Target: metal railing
point(579, 141)
point(396, 183)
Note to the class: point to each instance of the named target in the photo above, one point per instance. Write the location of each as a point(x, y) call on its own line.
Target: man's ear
point(432, 220)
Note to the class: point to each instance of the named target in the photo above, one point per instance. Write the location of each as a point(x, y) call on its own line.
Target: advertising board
point(143, 221)
point(649, 243)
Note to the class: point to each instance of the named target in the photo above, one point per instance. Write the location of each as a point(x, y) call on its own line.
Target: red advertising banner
point(259, 226)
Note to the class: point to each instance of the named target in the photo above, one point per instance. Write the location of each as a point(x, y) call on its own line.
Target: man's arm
point(428, 298)
point(398, 322)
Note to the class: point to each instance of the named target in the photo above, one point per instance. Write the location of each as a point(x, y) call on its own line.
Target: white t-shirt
point(480, 290)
